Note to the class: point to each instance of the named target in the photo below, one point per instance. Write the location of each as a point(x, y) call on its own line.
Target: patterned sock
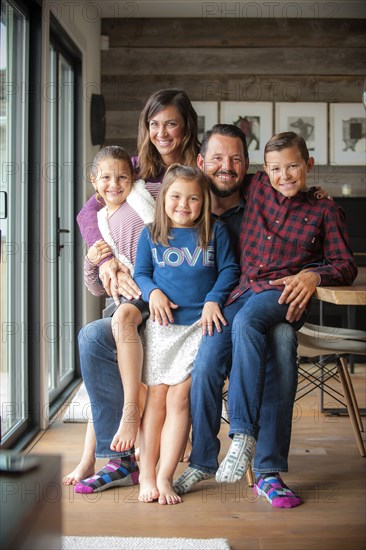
point(271, 486)
point(237, 460)
point(189, 478)
point(118, 472)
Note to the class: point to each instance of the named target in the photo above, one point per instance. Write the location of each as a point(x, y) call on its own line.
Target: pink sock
point(276, 492)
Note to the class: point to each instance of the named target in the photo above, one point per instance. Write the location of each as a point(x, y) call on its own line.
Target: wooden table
point(353, 295)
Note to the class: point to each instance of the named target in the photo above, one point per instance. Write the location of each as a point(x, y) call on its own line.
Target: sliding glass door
point(14, 109)
point(63, 100)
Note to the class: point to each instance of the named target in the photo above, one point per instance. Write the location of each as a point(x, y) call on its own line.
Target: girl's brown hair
point(161, 226)
point(109, 152)
point(150, 161)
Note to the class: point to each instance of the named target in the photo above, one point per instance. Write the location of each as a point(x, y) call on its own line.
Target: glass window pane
point(51, 182)
point(14, 244)
point(66, 214)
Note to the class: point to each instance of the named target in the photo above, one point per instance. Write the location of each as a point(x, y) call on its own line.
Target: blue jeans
point(99, 367)
point(277, 386)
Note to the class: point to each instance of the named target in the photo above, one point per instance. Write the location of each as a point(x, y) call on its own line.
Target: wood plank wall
point(233, 59)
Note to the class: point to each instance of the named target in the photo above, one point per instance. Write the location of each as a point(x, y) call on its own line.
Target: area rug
point(132, 543)
point(79, 409)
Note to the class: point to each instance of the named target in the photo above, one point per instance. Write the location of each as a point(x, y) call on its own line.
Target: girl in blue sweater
point(185, 270)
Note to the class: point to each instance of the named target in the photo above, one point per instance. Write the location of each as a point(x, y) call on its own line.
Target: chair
point(327, 348)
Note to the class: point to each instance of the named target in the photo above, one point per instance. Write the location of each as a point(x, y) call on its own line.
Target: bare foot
point(125, 436)
point(167, 493)
point(148, 490)
point(137, 453)
point(82, 471)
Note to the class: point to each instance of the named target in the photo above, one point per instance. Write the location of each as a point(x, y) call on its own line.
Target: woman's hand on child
point(160, 307)
point(211, 317)
point(321, 193)
point(126, 285)
point(98, 252)
point(108, 275)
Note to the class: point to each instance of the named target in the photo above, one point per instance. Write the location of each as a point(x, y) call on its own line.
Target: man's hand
point(211, 315)
point(298, 291)
point(160, 307)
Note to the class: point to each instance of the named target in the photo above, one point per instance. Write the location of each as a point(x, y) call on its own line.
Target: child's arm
point(160, 305)
point(88, 221)
point(339, 266)
point(228, 275)
point(211, 316)
point(91, 278)
point(96, 253)
point(228, 271)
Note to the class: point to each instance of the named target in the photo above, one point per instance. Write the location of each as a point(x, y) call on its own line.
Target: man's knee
point(99, 331)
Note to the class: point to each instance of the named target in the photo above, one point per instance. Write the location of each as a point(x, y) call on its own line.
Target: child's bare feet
point(83, 469)
point(167, 493)
point(125, 437)
point(148, 490)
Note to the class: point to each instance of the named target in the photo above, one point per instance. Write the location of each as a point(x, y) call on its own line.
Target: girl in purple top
point(128, 206)
point(167, 133)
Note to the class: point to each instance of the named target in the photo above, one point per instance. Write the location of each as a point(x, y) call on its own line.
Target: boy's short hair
point(284, 140)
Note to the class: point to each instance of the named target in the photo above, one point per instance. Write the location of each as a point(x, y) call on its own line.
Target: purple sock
point(276, 492)
point(118, 472)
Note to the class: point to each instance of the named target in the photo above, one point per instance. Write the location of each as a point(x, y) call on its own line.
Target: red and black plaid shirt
point(279, 236)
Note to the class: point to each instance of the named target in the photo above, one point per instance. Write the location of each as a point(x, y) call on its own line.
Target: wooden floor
point(325, 468)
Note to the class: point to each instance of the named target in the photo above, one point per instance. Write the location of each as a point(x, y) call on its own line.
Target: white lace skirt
point(169, 352)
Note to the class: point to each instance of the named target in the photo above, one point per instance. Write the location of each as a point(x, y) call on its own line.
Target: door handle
point(4, 205)
point(59, 231)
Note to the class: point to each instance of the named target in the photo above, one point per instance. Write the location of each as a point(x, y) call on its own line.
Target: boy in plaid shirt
point(284, 230)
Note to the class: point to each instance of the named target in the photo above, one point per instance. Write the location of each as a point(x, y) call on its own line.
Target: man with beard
point(224, 159)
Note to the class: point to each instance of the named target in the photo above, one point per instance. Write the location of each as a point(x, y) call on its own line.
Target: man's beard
point(222, 192)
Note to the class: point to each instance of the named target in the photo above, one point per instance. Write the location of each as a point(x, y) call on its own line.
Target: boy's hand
point(160, 307)
point(211, 316)
point(298, 291)
point(98, 252)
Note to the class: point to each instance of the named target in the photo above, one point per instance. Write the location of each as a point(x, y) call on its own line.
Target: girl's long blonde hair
point(161, 226)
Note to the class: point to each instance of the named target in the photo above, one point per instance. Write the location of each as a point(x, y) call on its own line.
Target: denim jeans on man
point(272, 388)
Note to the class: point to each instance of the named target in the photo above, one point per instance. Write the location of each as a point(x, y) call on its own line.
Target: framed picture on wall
point(347, 133)
point(255, 119)
point(308, 120)
point(208, 115)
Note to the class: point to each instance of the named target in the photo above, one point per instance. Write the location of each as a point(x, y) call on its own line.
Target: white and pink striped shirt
point(125, 226)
